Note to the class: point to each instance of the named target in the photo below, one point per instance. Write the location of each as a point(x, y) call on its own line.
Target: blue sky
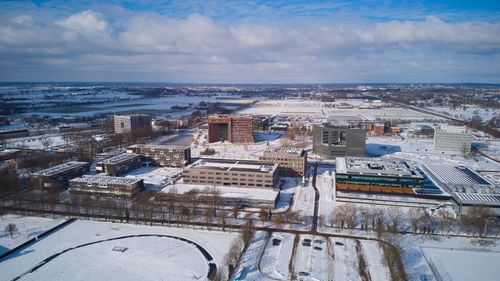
point(250, 41)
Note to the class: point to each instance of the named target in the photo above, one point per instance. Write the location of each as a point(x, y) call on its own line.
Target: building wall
point(230, 178)
point(242, 129)
point(46, 181)
point(132, 123)
point(9, 134)
point(326, 141)
point(127, 190)
point(116, 169)
point(165, 157)
point(290, 165)
point(452, 141)
point(239, 129)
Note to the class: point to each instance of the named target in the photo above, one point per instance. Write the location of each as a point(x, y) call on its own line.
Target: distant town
point(250, 182)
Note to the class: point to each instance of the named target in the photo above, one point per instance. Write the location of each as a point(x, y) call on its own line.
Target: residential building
point(243, 173)
point(232, 128)
point(58, 176)
point(106, 185)
point(332, 140)
point(292, 161)
point(119, 164)
point(163, 155)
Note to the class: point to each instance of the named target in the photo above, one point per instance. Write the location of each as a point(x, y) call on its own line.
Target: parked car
point(276, 242)
point(317, 248)
point(339, 243)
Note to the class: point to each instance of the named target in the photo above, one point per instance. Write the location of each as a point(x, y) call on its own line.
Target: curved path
point(212, 267)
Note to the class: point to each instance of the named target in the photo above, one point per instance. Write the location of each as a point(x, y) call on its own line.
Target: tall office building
point(234, 129)
point(134, 124)
point(332, 140)
point(453, 139)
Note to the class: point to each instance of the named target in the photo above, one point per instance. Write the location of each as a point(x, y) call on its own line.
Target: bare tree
point(446, 218)
point(478, 216)
point(11, 228)
point(345, 215)
point(395, 216)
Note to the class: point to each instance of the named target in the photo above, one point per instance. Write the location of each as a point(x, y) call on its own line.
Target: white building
point(453, 138)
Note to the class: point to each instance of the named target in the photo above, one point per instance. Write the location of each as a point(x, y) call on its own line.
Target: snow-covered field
point(146, 258)
point(467, 112)
point(461, 258)
point(360, 110)
point(28, 227)
point(276, 258)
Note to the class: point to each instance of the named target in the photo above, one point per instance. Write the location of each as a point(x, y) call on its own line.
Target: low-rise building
point(60, 175)
point(244, 173)
point(453, 139)
point(119, 164)
point(106, 185)
point(377, 175)
point(163, 155)
point(467, 187)
point(292, 161)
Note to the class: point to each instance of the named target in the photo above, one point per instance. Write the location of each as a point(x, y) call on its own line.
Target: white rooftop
point(60, 168)
point(375, 166)
point(237, 165)
point(106, 180)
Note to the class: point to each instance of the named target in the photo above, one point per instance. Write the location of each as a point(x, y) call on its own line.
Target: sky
point(281, 41)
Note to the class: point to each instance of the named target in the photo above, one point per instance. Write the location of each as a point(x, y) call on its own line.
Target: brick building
point(292, 161)
point(234, 129)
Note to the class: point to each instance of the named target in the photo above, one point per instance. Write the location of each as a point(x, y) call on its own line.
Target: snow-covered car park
point(88, 250)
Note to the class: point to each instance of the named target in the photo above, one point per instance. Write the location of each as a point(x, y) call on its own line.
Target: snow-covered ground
point(467, 112)
point(276, 258)
point(374, 259)
point(248, 268)
point(147, 258)
point(346, 260)
point(28, 227)
point(461, 258)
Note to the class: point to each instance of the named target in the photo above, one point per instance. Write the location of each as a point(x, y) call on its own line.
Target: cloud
point(147, 46)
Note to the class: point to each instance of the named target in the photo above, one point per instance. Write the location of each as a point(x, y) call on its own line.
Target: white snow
point(147, 258)
point(28, 227)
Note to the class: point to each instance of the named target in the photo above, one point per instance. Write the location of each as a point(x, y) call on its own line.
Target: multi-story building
point(60, 174)
point(105, 185)
point(133, 124)
point(163, 155)
point(234, 129)
point(119, 164)
point(377, 175)
point(331, 140)
point(292, 161)
point(453, 139)
point(243, 173)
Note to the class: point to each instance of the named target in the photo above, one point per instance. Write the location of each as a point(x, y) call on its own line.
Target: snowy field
point(28, 227)
point(463, 265)
point(149, 258)
point(467, 112)
point(360, 110)
point(276, 258)
point(461, 258)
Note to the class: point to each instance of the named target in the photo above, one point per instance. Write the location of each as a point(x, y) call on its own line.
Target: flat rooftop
point(233, 192)
point(105, 180)
point(233, 165)
point(119, 158)
point(60, 168)
point(454, 129)
point(478, 199)
point(284, 149)
point(456, 174)
point(159, 146)
point(376, 166)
